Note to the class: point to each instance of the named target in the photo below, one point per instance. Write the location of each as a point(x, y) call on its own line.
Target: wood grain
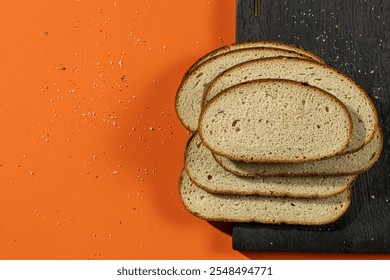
point(356, 40)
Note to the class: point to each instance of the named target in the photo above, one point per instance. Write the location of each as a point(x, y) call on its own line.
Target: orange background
point(91, 148)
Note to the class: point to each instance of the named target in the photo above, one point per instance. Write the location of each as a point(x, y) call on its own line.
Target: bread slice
point(347, 164)
point(206, 173)
point(275, 121)
point(360, 106)
point(253, 208)
point(256, 44)
point(190, 92)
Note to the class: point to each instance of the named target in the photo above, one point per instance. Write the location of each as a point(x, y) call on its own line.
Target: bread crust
point(350, 183)
point(221, 53)
point(366, 167)
point(263, 219)
point(238, 191)
point(255, 44)
point(361, 91)
point(334, 99)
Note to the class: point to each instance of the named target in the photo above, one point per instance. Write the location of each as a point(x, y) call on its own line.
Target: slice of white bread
point(275, 121)
point(190, 92)
point(360, 106)
point(255, 44)
point(253, 208)
point(206, 173)
point(347, 164)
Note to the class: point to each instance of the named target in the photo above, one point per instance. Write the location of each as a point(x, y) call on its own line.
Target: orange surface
point(91, 148)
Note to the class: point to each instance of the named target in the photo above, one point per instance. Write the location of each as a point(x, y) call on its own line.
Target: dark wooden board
point(354, 37)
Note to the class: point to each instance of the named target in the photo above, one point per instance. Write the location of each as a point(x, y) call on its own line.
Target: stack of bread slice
point(278, 136)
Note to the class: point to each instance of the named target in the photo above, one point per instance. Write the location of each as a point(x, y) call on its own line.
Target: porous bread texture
point(253, 208)
point(275, 121)
point(255, 44)
point(190, 92)
point(206, 173)
point(347, 164)
point(360, 106)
